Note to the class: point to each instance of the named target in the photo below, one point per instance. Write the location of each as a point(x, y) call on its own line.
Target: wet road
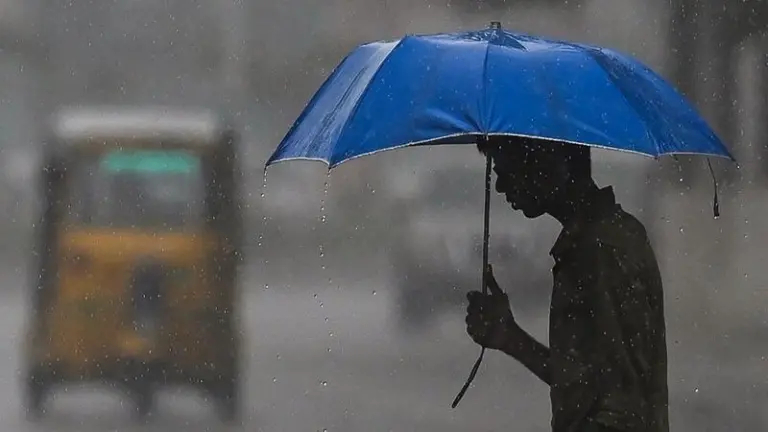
point(332, 360)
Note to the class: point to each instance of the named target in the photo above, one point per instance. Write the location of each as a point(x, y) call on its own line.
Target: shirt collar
point(601, 201)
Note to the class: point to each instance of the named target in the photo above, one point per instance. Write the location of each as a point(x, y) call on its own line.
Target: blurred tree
point(682, 59)
point(704, 41)
point(762, 133)
point(486, 5)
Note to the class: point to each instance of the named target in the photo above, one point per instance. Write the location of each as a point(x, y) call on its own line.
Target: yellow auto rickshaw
point(137, 256)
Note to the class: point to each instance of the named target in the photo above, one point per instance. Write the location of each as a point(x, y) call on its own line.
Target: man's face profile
point(524, 176)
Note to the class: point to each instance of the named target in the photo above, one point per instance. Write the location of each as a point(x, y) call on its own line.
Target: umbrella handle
point(486, 237)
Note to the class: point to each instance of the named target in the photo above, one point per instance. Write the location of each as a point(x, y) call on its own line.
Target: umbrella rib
point(620, 88)
point(356, 107)
point(305, 111)
point(484, 101)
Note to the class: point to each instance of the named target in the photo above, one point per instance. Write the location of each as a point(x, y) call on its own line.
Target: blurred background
point(351, 321)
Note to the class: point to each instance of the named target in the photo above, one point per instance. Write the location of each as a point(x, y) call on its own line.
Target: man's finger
point(474, 296)
point(493, 286)
point(475, 309)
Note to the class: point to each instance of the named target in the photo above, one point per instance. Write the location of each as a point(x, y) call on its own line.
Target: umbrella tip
point(495, 25)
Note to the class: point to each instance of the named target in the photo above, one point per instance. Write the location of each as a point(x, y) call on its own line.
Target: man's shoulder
point(619, 229)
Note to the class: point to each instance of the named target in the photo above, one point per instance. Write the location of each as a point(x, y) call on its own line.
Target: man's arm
point(529, 352)
point(491, 324)
point(536, 357)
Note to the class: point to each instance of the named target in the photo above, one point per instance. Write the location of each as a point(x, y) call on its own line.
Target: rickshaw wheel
point(143, 399)
point(35, 393)
point(35, 399)
point(227, 402)
point(144, 402)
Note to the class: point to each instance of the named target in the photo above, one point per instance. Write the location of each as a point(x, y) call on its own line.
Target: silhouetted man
point(606, 363)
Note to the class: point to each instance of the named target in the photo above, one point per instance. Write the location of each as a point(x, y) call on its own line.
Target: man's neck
point(573, 199)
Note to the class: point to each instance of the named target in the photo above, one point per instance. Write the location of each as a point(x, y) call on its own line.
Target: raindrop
point(696, 390)
point(266, 286)
point(682, 231)
point(264, 185)
point(321, 304)
point(329, 349)
point(278, 356)
point(373, 292)
point(326, 319)
point(274, 379)
point(330, 334)
point(324, 383)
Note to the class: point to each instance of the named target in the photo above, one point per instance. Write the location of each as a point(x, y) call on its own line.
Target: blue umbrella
point(444, 88)
point(457, 88)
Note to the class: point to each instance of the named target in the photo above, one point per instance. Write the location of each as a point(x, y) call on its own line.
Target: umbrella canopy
point(446, 88)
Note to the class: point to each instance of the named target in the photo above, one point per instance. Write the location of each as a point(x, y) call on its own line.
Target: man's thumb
point(493, 286)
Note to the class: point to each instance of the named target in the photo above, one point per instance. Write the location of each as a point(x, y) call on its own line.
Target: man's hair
point(576, 156)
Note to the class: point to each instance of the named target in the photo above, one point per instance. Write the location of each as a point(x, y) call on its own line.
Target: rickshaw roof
point(81, 126)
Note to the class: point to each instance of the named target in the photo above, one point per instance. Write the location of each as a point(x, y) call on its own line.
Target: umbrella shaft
point(486, 235)
point(486, 221)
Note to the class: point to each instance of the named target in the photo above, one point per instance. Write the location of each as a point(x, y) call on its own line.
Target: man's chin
point(530, 213)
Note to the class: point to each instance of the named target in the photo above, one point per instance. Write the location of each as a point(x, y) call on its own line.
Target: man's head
point(538, 176)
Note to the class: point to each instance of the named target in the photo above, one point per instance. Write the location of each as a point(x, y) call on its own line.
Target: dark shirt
point(608, 358)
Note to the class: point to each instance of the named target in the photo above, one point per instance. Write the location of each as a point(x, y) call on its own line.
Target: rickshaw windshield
point(145, 189)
